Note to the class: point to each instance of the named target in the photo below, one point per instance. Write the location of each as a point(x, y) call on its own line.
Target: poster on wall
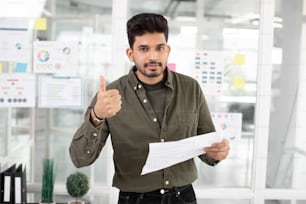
point(15, 40)
point(17, 90)
point(209, 70)
point(229, 125)
point(55, 57)
point(60, 92)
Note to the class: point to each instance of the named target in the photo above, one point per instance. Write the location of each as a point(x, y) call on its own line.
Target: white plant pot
point(76, 202)
point(47, 203)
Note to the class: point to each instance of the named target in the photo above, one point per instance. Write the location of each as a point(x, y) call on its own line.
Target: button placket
point(141, 94)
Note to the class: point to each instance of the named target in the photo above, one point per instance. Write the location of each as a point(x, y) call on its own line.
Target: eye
point(160, 48)
point(143, 49)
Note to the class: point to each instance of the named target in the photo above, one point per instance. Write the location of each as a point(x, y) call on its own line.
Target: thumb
point(102, 83)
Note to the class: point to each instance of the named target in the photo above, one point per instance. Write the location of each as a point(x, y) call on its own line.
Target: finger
point(223, 143)
point(102, 83)
point(217, 149)
point(112, 92)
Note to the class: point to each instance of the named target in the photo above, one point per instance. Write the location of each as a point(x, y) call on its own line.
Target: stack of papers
point(165, 154)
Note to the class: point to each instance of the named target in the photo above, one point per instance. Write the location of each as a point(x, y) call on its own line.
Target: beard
point(149, 72)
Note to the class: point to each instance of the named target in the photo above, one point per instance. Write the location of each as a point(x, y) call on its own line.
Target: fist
point(108, 102)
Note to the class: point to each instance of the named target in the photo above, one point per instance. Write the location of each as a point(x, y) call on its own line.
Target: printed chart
point(209, 69)
point(17, 90)
point(60, 92)
point(55, 57)
point(229, 125)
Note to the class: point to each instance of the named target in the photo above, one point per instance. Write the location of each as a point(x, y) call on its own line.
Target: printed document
point(165, 154)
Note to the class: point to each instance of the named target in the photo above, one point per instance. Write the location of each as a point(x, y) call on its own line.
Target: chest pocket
point(184, 125)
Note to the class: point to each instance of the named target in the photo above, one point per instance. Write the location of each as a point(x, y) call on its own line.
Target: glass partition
point(285, 202)
point(227, 31)
point(227, 34)
point(88, 25)
point(222, 201)
point(287, 157)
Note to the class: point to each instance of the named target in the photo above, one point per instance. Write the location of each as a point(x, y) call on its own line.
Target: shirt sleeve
point(205, 125)
point(208, 160)
point(88, 141)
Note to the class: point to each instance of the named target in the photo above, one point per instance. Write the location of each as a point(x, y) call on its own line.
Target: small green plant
point(77, 185)
point(48, 179)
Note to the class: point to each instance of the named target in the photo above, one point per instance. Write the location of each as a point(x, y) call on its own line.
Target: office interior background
point(267, 165)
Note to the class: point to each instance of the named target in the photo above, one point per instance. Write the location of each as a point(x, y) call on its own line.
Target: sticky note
point(239, 59)
point(0, 68)
point(239, 82)
point(171, 66)
point(21, 67)
point(40, 24)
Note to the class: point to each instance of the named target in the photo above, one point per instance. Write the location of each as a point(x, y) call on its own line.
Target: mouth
point(153, 65)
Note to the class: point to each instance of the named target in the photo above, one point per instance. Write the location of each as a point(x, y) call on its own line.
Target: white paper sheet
point(17, 90)
point(209, 70)
point(229, 125)
point(15, 41)
point(55, 57)
point(60, 92)
point(165, 154)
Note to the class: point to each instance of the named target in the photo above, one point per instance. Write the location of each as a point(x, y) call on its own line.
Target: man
point(149, 104)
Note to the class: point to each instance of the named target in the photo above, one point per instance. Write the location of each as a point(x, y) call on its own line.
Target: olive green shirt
point(136, 125)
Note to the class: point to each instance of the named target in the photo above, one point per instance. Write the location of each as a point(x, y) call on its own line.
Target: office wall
point(261, 45)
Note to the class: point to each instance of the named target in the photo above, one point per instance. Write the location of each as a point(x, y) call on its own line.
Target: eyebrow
point(159, 45)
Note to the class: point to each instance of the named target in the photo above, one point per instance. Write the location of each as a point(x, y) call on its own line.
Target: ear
point(169, 49)
point(129, 53)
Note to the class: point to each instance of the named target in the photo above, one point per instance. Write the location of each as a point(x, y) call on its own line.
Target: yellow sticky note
point(0, 68)
point(239, 82)
point(239, 59)
point(40, 24)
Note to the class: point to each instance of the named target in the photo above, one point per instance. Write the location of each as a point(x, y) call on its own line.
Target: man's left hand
point(218, 151)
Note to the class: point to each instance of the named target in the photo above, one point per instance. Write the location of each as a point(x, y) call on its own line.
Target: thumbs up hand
point(108, 102)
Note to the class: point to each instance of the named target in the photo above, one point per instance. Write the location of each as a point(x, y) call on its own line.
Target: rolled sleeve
point(208, 160)
point(87, 143)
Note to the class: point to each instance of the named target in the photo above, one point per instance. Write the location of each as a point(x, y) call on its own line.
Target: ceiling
point(232, 11)
point(212, 9)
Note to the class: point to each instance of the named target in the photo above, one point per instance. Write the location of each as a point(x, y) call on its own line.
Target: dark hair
point(146, 23)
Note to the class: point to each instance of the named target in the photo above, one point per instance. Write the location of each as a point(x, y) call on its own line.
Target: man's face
point(149, 53)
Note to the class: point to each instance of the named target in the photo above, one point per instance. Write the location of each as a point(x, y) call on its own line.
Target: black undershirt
point(156, 94)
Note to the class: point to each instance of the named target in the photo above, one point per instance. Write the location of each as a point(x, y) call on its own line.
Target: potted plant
point(77, 186)
point(48, 178)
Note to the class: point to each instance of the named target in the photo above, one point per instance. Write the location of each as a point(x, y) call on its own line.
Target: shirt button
point(167, 182)
point(135, 88)
point(155, 119)
point(95, 134)
point(88, 152)
point(145, 100)
point(139, 86)
point(162, 191)
point(162, 140)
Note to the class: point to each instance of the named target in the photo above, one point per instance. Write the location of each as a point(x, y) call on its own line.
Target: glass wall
point(231, 33)
point(267, 160)
point(89, 26)
point(287, 156)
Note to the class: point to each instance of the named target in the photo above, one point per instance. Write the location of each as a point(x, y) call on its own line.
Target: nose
point(153, 55)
